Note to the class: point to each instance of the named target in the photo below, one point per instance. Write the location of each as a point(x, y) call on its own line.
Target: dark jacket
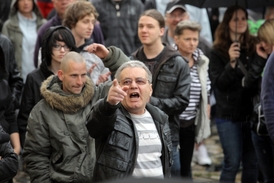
point(233, 101)
point(120, 30)
point(11, 72)
point(117, 140)
point(150, 4)
point(7, 113)
point(170, 82)
point(31, 96)
point(171, 85)
point(31, 92)
point(8, 125)
point(267, 95)
point(9, 160)
point(5, 11)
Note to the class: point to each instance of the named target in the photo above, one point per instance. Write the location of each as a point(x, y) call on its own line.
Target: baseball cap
point(171, 6)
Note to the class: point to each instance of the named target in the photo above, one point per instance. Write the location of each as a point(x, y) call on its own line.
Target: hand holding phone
point(234, 51)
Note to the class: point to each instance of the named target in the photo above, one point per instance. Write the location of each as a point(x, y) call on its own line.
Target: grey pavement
point(201, 174)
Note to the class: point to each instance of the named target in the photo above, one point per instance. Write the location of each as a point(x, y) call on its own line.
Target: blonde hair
point(266, 32)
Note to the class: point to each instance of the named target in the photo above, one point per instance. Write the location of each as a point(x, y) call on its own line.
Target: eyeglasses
point(138, 81)
point(58, 47)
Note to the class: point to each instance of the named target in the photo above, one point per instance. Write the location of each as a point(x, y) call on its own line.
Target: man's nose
point(79, 80)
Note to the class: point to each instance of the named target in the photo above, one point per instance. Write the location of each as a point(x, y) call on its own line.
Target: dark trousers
point(187, 141)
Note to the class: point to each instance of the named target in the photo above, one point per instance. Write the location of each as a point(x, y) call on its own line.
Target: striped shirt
point(195, 89)
point(148, 162)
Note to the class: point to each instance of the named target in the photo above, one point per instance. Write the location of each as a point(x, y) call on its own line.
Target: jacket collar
point(51, 90)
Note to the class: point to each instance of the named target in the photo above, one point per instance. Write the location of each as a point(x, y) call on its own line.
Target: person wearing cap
point(176, 12)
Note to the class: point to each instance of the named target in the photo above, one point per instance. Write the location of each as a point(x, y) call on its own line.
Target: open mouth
point(134, 95)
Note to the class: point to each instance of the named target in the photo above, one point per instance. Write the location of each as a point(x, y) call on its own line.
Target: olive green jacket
point(12, 30)
point(58, 147)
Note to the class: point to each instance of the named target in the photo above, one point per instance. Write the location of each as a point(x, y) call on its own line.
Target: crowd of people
point(103, 90)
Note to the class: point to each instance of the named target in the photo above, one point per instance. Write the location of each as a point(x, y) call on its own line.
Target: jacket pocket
point(166, 84)
point(121, 137)
point(57, 158)
point(112, 163)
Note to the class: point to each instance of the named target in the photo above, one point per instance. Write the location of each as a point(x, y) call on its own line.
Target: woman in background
point(21, 28)
point(194, 121)
point(234, 50)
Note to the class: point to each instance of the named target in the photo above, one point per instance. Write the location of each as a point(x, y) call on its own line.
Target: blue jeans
point(264, 149)
point(175, 168)
point(237, 147)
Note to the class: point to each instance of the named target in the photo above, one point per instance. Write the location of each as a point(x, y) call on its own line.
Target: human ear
point(60, 75)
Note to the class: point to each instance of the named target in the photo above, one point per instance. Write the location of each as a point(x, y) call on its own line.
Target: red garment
point(45, 8)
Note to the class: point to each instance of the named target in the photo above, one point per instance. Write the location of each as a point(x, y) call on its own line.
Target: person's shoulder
point(205, 58)
point(4, 38)
point(45, 26)
point(5, 43)
point(154, 110)
point(34, 75)
point(41, 107)
point(137, 2)
point(96, 2)
point(178, 59)
point(41, 21)
point(7, 23)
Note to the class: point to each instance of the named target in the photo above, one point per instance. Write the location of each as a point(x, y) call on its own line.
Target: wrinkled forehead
point(133, 72)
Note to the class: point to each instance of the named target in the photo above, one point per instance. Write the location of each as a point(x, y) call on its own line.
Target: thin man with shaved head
point(58, 147)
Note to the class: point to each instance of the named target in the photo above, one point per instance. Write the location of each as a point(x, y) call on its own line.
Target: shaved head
point(73, 73)
point(71, 57)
